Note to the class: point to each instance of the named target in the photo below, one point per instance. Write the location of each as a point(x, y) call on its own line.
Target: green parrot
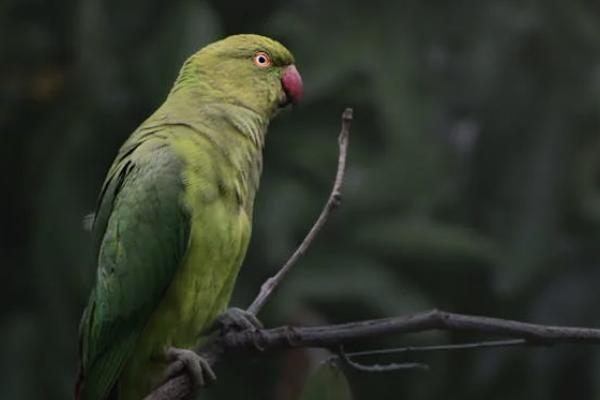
point(174, 217)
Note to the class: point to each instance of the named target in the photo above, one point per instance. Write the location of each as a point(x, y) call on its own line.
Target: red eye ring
point(262, 60)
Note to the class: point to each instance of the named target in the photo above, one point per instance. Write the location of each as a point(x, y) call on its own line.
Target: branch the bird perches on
point(258, 341)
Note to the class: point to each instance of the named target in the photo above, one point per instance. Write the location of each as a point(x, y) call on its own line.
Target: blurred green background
point(473, 182)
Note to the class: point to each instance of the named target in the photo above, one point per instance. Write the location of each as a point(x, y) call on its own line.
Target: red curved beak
point(291, 81)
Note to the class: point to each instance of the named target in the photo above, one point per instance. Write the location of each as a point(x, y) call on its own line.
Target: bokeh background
point(473, 182)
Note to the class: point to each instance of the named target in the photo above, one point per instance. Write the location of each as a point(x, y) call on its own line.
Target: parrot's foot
point(197, 368)
point(237, 319)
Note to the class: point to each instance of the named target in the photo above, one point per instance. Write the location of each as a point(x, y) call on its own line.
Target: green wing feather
point(141, 233)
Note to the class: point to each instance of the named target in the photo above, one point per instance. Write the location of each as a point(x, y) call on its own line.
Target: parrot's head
point(250, 70)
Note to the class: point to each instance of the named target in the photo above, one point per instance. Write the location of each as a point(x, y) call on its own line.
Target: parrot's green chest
point(219, 235)
point(220, 228)
point(218, 241)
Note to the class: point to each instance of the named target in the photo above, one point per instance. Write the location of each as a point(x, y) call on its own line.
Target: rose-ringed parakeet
point(174, 216)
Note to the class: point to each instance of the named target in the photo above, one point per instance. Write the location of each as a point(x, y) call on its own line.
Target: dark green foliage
point(472, 184)
point(327, 382)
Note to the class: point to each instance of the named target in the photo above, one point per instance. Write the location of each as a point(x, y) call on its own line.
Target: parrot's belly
point(199, 292)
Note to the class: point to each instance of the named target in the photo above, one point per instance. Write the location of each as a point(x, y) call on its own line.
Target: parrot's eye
point(262, 59)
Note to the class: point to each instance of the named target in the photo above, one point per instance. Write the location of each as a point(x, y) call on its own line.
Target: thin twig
point(488, 344)
point(346, 357)
point(378, 367)
point(333, 201)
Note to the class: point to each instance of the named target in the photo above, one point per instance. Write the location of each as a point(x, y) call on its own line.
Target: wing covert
point(141, 234)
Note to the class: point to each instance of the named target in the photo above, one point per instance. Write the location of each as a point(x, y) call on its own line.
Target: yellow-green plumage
point(174, 217)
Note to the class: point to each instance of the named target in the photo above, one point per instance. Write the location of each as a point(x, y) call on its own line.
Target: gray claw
point(197, 367)
point(238, 319)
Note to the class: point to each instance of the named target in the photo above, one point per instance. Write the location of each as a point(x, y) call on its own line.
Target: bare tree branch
point(178, 388)
point(333, 336)
point(333, 201)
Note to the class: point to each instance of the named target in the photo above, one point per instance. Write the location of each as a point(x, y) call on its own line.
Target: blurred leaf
point(327, 382)
point(586, 182)
point(426, 240)
point(351, 279)
point(19, 346)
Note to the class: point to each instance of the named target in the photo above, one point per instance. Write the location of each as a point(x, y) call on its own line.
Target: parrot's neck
point(237, 132)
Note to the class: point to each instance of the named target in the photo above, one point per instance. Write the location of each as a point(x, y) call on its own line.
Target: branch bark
point(332, 336)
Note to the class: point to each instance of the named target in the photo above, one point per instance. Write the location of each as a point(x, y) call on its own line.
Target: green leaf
point(327, 382)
